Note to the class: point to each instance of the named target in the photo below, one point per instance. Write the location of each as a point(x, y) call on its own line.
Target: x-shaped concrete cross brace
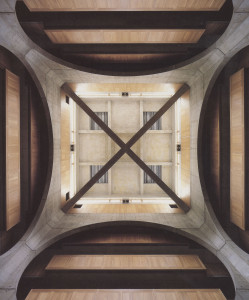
point(125, 148)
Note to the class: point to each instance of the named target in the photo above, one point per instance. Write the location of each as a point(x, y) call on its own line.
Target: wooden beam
point(183, 89)
point(125, 148)
point(124, 36)
point(237, 149)
point(76, 49)
point(118, 294)
point(66, 88)
point(125, 262)
point(2, 152)
point(122, 19)
point(13, 178)
point(158, 181)
point(93, 180)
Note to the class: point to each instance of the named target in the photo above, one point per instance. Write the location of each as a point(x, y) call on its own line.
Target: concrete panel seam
point(59, 81)
point(195, 228)
point(243, 12)
point(33, 49)
point(225, 242)
point(29, 247)
point(220, 51)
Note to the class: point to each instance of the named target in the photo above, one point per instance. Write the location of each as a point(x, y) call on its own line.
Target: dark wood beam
point(246, 130)
point(158, 181)
point(124, 19)
point(183, 89)
point(66, 88)
point(125, 48)
point(93, 180)
point(34, 24)
point(2, 154)
point(125, 148)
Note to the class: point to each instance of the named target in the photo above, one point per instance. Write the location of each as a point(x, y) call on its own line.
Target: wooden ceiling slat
point(174, 36)
point(128, 5)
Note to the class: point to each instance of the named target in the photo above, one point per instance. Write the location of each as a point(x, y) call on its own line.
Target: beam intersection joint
point(125, 148)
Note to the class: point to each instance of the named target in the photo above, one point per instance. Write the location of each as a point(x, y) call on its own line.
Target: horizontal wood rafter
point(124, 36)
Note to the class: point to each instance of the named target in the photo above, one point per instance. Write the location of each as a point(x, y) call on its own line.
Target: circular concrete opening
point(125, 38)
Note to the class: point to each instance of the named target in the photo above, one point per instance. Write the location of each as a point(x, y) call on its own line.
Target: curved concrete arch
point(48, 132)
point(236, 4)
point(129, 223)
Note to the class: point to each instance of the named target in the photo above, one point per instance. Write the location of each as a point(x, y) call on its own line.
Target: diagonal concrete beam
point(158, 181)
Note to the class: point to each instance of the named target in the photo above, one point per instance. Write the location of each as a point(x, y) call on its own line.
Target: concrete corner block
point(196, 98)
point(234, 36)
point(241, 6)
point(13, 264)
point(211, 61)
point(214, 225)
point(14, 36)
point(237, 263)
point(6, 294)
point(197, 198)
point(55, 183)
point(194, 170)
point(39, 235)
point(208, 236)
point(218, 60)
point(38, 61)
point(39, 69)
point(43, 238)
point(54, 216)
point(7, 6)
point(196, 216)
point(57, 79)
point(242, 294)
